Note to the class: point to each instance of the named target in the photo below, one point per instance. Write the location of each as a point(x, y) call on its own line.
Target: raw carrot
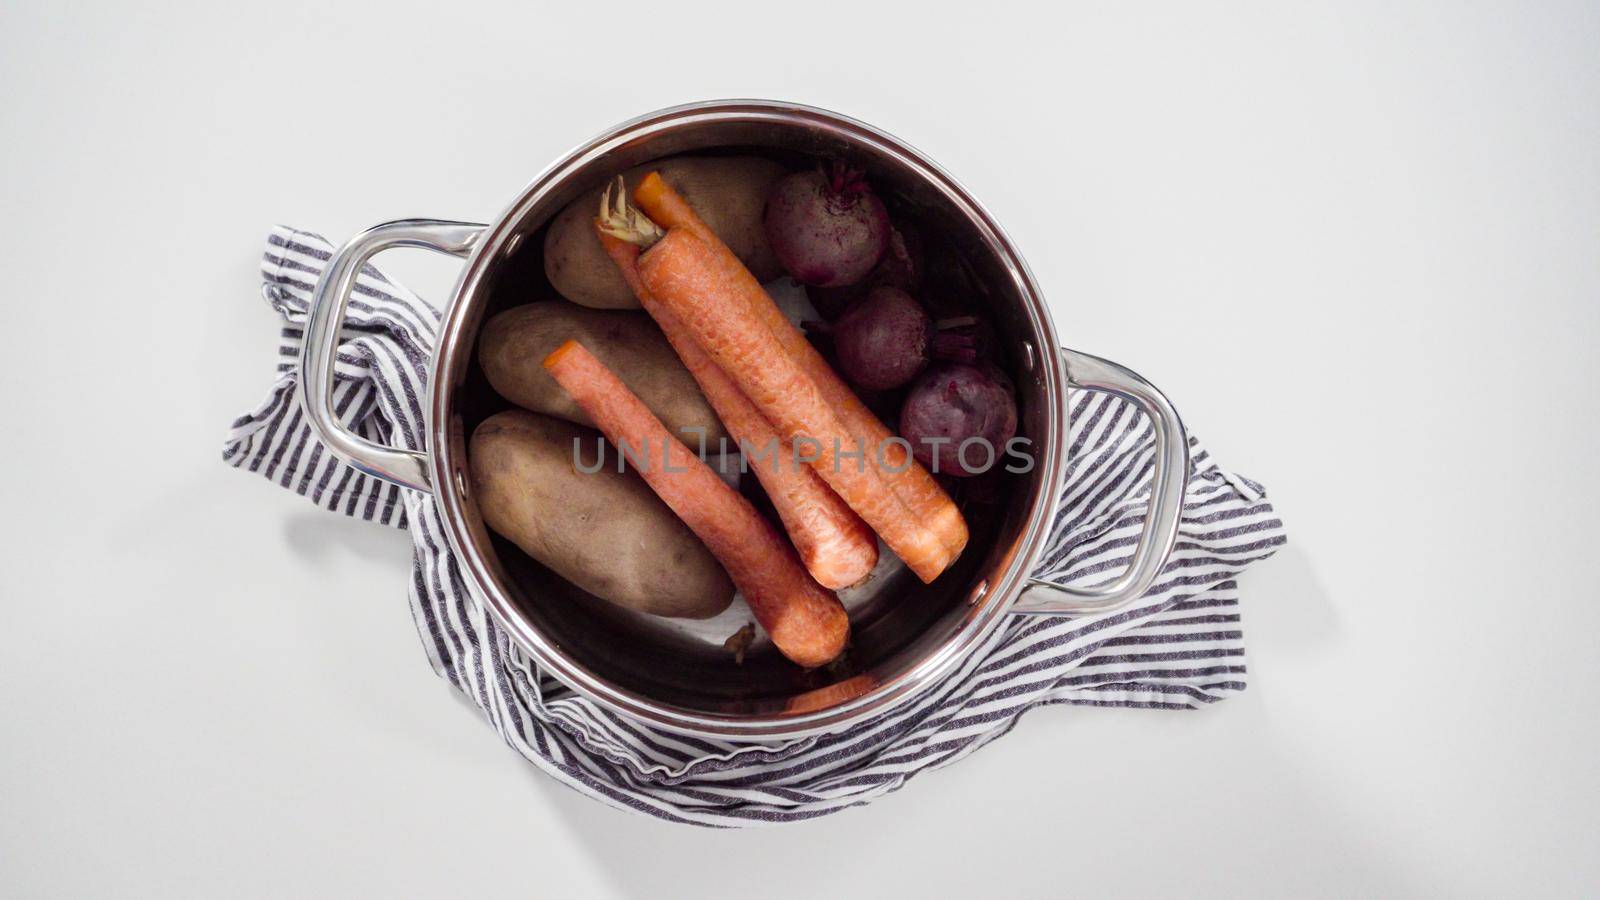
point(713, 298)
point(910, 481)
point(835, 545)
point(805, 620)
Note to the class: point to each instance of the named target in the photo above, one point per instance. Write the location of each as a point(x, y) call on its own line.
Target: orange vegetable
point(714, 295)
point(913, 484)
point(805, 620)
point(835, 545)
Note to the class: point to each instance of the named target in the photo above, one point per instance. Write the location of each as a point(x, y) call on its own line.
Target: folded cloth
point(1179, 647)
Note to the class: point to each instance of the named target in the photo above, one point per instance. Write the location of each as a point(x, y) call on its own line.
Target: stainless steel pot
point(678, 676)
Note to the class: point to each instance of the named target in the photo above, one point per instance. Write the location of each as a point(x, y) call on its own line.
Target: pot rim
point(989, 602)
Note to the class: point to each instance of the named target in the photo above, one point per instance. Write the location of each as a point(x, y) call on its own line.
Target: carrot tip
point(555, 356)
point(648, 186)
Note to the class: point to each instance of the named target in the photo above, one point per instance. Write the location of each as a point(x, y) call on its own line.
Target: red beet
point(901, 267)
point(955, 403)
point(827, 230)
point(882, 342)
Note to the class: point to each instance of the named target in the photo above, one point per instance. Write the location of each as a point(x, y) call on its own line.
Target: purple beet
point(901, 267)
point(954, 403)
point(883, 341)
point(828, 230)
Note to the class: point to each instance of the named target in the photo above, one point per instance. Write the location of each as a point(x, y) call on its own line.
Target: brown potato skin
point(513, 345)
point(729, 192)
point(605, 532)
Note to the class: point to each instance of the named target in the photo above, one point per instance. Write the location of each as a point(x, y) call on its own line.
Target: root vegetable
point(882, 342)
point(911, 483)
point(605, 532)
point(716, 298)
point(805, 620)
point(729, 191)
point(512, 343)
point(838, 549)
point(828, 230)
point(956, 403)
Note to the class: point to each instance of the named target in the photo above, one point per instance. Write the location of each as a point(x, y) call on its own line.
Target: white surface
point(1358, 247)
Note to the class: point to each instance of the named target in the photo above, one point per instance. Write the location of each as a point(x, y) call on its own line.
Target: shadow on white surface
point(1122, 789)
point(1110, 805)
point(320, 538)
point(1291, 604)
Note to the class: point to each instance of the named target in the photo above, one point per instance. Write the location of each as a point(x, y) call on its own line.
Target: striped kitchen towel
point(1180, 647)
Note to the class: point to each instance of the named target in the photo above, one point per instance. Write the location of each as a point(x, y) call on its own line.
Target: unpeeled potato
point(728, 192)
point(605, 532)
point(513, 345)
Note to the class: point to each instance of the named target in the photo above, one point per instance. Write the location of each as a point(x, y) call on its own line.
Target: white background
point(1358, 245)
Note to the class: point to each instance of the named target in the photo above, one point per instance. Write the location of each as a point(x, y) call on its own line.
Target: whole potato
point(513, 345)
point(728, 192)
point(605, 532)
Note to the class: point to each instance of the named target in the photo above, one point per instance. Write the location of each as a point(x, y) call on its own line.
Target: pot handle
point(1167, 488)
point(319, 352)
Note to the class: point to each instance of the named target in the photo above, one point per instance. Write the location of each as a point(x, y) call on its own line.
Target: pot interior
point(899, 625)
